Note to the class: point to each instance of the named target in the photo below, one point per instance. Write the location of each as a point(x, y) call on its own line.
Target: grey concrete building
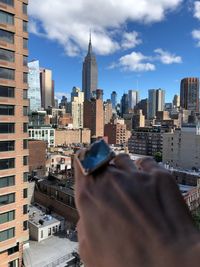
point(181, 149)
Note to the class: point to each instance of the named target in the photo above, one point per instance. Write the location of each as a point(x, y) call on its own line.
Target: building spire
point(90, 44)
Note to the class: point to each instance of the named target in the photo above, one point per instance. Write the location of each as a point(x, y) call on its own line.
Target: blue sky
point(138, 44)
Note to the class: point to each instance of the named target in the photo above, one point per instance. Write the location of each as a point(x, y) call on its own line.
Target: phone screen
point(98, 155)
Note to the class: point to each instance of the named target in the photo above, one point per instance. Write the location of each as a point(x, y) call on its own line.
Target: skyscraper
point(124, 104)
point(133, 99)
point(34, 91)
point(156, 102)
point(107, 111)
point(47, 88)
point(114, 99)
point(189, 94)
point(13, 131)
point(77, 99)
point(89, 73)
point(152, 104)
point(160, 100)
point(176, 101)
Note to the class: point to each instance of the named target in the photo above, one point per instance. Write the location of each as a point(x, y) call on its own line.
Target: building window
point(25, 77)
point(25, 43)
point(7, 199)
point(6, 18)
point(13, 249)
point(25, 127)
point(7, 74)
point(7, 146)
point(7, 234)
point(25, 26)
point(7, 110)
point(25, 61)
point(7, 181)
point(25, 160)
point(25, 177)
point(7, 128)
point(7, 2)
point(6, 36)
point(7, 55)
point(6, 91)
point(7, 216)
point(25, 94)
point(25, 225)
point(14, 263)
point(25, 9)
point(25, 209)
point(25, 111)
point(25, 193)
point(7, 164)
point(25, 144)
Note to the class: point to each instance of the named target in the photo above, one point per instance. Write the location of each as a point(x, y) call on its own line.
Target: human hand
point(132, 215)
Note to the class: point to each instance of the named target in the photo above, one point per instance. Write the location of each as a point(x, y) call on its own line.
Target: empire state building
point(89, 73)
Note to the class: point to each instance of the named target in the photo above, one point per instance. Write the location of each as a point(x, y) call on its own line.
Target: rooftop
point(55, 251)
point(39, 218)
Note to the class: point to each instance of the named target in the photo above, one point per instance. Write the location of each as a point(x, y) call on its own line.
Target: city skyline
point(157, 56)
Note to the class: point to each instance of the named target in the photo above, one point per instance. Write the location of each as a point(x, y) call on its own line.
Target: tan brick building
point(74, 136)
point(116, 133)
point(13, 131)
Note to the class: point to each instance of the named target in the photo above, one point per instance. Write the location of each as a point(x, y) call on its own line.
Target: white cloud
point(197, 9)
point(69, 22)
point(135, 62)
point(130, 40)
point(166, 57)
point(196, 36)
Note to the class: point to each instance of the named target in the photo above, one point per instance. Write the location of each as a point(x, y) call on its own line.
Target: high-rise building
point(152, 104)
point(133, 98)
point(176, 101)
point(160, 100)
point(94, 117)
point(47, 88)
point(107, 111)
point(77, 99)
point(124, 104)
point(13, 131)
point(138, 119)
point(156, 102)
point(89, 73)
point(143, 105)
point(63, 102)
point(34, 91)
point(189, 94)
point(114, 99)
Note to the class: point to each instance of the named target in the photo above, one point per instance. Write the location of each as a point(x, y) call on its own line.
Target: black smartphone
point(96, 156)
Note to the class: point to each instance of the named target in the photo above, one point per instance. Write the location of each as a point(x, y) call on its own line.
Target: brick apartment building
point(116, 133)
point(146, 141)
point(13, 131)
point(93, 117)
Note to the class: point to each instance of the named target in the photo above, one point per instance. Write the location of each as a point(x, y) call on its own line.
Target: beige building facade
point(77, 108)
point(181, 149)
point(74, 136)
point(13, 131)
